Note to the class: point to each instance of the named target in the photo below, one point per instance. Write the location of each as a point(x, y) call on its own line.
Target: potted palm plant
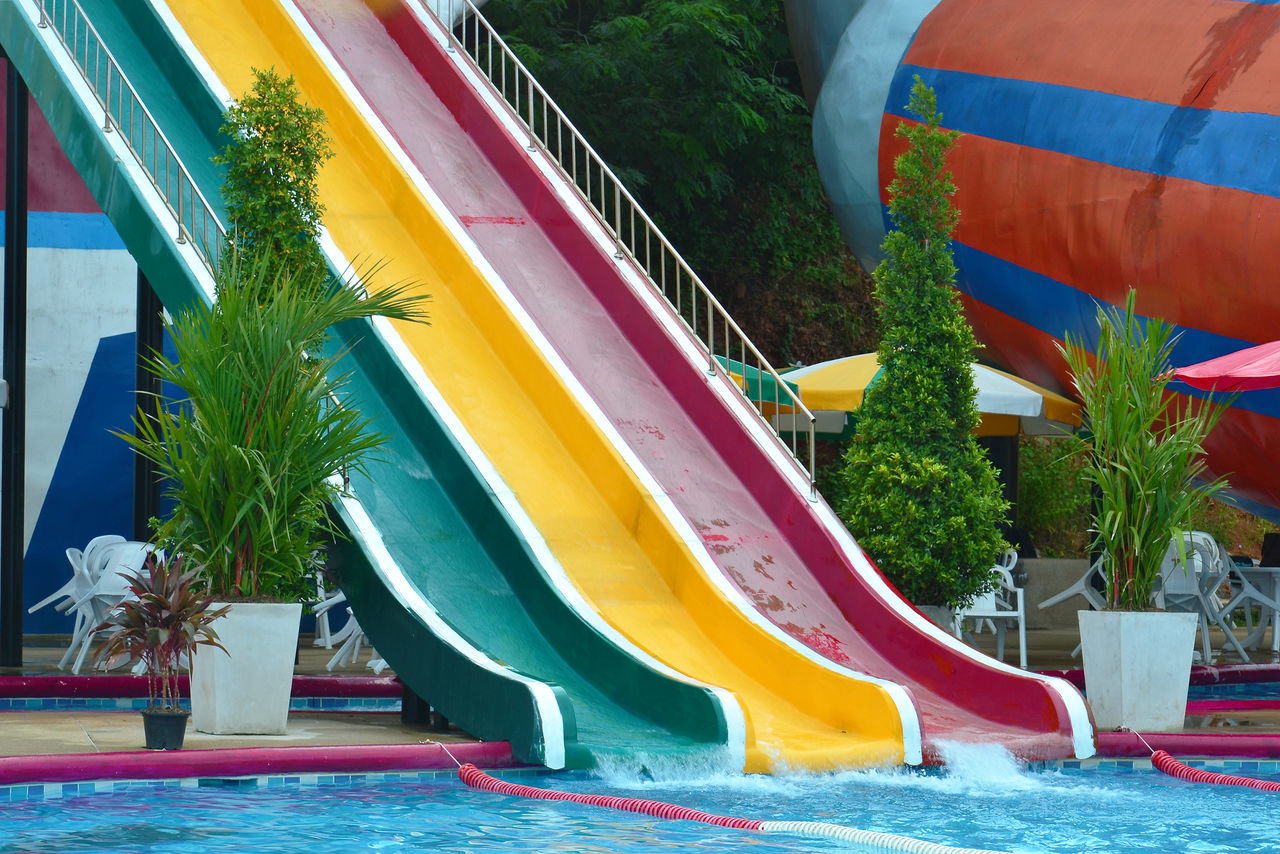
point(167, 615)
point(253, 447)
point(1145, 459)
point(252, 450)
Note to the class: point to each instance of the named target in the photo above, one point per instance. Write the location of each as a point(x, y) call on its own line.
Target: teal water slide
point(465, 606)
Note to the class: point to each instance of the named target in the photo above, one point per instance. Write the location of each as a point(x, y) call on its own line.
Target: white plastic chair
point(1192, 587)
point(86, 571)
point(97, 551)
point(999, 606)
point(75, 587)
point(109, 588)
point(1245, 597)
point(1084, 586)
point(352, 638)
point(321, 607)
point(349, 638)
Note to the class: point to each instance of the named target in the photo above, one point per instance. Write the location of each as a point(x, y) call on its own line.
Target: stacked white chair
point(350, 638)
point(1245, 597)
point(997, 607)
point(1191, 587)
point(95, 589)
point(86, 566)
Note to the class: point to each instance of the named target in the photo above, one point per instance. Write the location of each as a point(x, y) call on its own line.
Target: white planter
point(248, 692)
point(1137, 665)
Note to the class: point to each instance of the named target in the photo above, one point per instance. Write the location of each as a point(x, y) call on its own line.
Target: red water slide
point(788, 555)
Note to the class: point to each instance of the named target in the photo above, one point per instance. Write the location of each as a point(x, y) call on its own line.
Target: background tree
point(920, 495)
point(696, 105)
point(276, 145)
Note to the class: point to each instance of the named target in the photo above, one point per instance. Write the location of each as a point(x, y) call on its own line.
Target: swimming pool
point(983, 801)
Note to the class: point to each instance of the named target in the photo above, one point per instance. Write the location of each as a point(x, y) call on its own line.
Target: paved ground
point(89, 731)
point(24, 733)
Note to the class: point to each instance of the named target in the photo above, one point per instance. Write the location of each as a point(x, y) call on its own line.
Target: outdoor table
point(1266, 579)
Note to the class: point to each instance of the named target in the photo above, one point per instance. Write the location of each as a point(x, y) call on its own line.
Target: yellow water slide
point(590, 507)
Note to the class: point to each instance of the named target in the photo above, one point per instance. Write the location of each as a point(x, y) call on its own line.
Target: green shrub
point(275, 147)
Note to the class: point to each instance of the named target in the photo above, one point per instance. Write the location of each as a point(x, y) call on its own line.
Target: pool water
point(1235, 691)
point(983, 800)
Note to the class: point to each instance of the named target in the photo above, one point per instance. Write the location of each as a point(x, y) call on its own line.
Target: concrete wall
point(81, 293)
point(1047, 577)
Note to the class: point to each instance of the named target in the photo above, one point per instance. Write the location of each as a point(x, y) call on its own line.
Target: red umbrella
point(1244, 370)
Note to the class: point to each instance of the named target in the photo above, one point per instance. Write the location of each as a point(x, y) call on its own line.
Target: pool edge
point(250, 761)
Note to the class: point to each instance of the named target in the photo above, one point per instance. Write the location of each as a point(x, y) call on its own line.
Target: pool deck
point(44, 743)
point(68, 743)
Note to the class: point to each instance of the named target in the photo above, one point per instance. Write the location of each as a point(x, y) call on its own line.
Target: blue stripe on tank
point(1054, 307)
point(1209, 146)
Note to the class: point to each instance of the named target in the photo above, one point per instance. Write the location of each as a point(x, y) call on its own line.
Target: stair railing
point(123, 112)
point(727, 347)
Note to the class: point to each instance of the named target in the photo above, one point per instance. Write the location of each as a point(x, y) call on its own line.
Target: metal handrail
point(633, 232)
point(124, 112)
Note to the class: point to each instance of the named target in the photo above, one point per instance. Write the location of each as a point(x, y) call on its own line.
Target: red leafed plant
point(166, 616)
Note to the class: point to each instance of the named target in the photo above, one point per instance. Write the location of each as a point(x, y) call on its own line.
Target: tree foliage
point(696, 106)
point(276, 144)
point(920, 495)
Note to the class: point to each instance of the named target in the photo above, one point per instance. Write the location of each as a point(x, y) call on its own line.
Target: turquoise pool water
point(1235, 691)
point(983, 801)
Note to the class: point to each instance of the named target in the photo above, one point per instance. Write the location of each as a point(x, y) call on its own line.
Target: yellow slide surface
point(599, 523)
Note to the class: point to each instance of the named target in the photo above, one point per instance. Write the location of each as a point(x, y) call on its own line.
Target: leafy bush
point(276, 145)
point(1053, 496)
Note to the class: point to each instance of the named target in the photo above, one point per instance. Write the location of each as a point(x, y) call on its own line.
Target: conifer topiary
point(921, 496)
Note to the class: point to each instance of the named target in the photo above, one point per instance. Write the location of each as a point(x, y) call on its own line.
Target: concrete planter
point(1046, 577)
point(247, 692)
point(1137, 665)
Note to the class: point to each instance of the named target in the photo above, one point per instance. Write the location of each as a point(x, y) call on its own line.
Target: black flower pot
point(164, 728)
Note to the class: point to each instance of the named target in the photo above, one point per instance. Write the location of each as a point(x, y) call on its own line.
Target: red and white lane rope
point(1164, 762)
point(474, 777)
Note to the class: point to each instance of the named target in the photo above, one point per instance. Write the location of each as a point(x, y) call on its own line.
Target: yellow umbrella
point(1009, 405)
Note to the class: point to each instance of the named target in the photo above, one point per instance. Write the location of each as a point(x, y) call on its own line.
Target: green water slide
point(443, 571)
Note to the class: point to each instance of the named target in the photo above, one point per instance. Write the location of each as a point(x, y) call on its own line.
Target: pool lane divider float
point(1165, 763)
point(475, 778)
